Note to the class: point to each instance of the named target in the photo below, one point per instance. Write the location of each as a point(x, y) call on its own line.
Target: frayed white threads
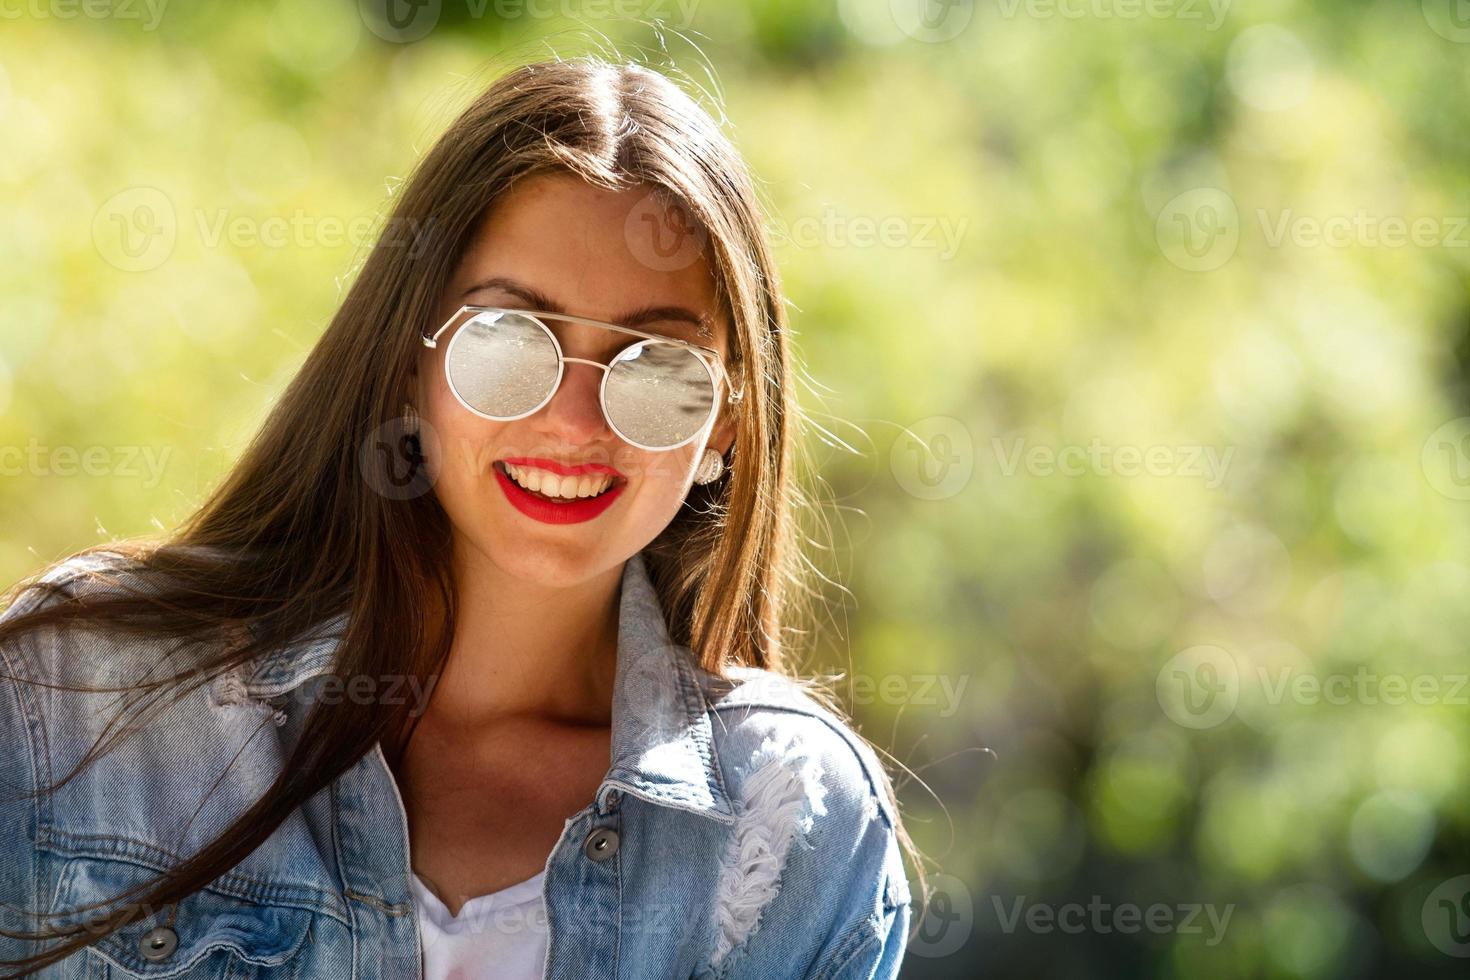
point(229, 689)
point(777, 802)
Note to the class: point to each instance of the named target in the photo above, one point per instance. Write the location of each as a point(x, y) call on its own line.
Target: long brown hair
point(298, 532)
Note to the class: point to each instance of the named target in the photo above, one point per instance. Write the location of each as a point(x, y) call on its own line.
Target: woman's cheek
point(457, 455)
point(665, 482)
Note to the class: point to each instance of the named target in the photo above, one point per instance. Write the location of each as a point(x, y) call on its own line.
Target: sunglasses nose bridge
point(582, 360)
point(597, 364)
point(599, 412)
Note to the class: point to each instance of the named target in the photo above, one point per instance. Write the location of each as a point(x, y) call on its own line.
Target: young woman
point(472, 667)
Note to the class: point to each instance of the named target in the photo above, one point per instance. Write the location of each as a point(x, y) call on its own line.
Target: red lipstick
point(555, 512)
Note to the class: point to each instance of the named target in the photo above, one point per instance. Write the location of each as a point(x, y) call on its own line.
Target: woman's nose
point(576, 408)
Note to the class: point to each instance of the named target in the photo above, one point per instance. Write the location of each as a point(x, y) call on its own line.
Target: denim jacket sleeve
point(17, 826)
point(840, 905)
point(873, 947)
point(20, 875)
point(878, 942)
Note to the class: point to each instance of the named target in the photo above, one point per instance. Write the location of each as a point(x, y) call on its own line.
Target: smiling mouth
point(559, 490)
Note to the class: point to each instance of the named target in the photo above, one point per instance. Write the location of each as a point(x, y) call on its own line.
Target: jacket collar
point(662, 736)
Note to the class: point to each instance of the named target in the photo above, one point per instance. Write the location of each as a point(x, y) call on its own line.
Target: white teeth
point(554, 485)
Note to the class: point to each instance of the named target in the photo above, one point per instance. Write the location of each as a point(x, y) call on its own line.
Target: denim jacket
point(740, 831)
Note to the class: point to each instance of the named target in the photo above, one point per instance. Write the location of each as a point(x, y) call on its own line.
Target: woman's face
point(557, 243)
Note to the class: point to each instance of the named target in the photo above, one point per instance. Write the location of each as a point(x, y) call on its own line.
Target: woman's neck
point(522, 648)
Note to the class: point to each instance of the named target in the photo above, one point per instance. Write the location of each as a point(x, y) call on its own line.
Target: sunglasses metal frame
point(707, 356)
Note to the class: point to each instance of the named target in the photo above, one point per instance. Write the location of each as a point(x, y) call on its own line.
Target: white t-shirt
point(501, 935)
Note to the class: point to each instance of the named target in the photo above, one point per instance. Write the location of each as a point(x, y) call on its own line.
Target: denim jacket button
point(158, 944)
point(601, 844)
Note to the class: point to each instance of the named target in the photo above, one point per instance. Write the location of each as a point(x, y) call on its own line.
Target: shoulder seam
point(62, 575)
point(847, 735)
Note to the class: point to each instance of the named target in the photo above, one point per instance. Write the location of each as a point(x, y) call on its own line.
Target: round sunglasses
point(656, 394)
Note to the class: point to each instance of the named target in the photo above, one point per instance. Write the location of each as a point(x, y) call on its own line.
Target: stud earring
point(711, 465)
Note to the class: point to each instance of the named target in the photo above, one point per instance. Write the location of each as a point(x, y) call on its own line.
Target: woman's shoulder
point(100, 569)
point(64, 577)
point(50, 654)
point(83, 653)
point(761, 715)
point(815, 839)
point(78, 691)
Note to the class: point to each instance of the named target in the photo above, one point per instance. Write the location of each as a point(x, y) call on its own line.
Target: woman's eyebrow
point(536, 299)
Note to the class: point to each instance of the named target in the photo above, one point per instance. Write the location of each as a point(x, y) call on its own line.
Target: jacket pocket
point(207, 935)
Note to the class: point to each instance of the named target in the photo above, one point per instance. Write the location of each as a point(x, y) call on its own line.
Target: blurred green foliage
point(1138, 331)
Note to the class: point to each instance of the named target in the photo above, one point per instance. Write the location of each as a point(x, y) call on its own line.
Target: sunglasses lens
point(658, 395)
point(502, 364)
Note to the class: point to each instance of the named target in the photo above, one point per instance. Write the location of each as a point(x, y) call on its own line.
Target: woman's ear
point(723, 437)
